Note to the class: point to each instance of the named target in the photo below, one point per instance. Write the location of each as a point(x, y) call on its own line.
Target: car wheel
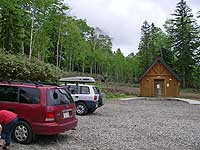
point(22, 133)
point(81, 108)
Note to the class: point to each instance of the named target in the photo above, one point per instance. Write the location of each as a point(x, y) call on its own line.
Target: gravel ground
point(130, 125)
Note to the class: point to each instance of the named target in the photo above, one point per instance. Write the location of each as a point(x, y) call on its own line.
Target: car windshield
point(58, 97)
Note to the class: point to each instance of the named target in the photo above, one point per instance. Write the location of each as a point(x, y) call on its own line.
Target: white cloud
point(122, 19)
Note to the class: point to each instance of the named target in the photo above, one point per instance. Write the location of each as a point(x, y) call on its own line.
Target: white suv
point(87, 97)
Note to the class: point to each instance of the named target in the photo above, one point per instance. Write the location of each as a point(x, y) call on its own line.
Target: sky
point(122, 19)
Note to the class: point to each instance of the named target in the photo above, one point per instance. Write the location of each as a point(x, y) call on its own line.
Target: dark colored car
point(42, 109)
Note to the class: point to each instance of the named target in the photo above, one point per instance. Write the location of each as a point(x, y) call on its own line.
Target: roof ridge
point(162, 61)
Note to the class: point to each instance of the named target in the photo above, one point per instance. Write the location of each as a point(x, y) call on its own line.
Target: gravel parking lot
point(130, 125)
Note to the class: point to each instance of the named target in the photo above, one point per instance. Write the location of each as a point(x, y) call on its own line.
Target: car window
point(84, 90)
point(58, 97)
point(29, 95)
point(73, 89)
point(96, 90)
point(8, 93)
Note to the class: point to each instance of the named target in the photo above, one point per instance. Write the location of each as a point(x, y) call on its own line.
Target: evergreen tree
point(183, 32)
point(198, 14)
point(144, 45)
point(154, 42)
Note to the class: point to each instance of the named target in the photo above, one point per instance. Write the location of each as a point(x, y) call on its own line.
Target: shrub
point(18, 67)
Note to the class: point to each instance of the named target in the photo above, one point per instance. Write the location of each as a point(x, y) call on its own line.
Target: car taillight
point(95, 98)
point(50, 116)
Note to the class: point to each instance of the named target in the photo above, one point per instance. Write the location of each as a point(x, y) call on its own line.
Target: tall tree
point(198, 14)
point(144, 45)
point(10, 24)
point(183, 32)
point(153, 43)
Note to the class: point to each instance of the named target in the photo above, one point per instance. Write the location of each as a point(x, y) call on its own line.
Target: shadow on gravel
point(95, 114)
point(44, 140)
point(48, 142)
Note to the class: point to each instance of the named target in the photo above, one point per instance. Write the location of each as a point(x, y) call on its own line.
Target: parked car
point(42, 109)
point(87, 97)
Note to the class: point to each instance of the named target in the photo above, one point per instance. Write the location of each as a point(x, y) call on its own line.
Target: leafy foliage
point(44, 32)
point(21, 68)
point(184, 33)
point(153, 43)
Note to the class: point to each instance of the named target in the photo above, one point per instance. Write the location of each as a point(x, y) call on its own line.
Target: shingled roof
point(162, 62)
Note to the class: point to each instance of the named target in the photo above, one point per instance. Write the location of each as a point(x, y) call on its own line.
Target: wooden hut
point(159, 81)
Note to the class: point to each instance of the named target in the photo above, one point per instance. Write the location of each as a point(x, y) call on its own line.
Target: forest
point(45, 31)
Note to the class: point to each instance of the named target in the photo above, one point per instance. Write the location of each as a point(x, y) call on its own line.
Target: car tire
point(91, 111)
point(81, 108)
point(22, 133)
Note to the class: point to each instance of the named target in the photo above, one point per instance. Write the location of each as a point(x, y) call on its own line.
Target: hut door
point(158, 88)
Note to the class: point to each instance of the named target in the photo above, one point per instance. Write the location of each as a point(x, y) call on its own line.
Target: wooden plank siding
point(158, 80)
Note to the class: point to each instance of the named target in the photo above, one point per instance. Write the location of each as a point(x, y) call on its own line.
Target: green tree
point(183, 32)
point(10, 25)
point(144, 46)
point(153, 43)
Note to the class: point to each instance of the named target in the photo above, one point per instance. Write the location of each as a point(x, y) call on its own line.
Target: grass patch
point(123, 84)
point(190, 93)
point(190, 90)
point(114, 96)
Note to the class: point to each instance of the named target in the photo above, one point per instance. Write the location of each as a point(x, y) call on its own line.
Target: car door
point(85, 93)
point(24, 101)
point(73, 89)
point(8, 98)
point(29, 106)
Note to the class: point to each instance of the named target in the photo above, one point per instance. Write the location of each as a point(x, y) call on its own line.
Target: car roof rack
point(47, 83)
point(29, 82)
point(78, 80)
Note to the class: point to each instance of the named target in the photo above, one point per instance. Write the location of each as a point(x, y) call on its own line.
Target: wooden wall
point(158, 72)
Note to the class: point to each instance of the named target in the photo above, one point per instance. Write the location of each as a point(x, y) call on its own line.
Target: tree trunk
point(38, 55)
point(70, 61)
point(184, 79)
point(43, 55)
point(83, 67)
point(60, 56)
point(22, 42)
point(57, 47)
point(101, 69)
point(3, 46)
point(95, 67)
point(91, 68)
point(11, 36)
point(31, 40)
point(72, 65)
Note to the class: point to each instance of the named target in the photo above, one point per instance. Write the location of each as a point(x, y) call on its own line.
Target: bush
point(18, 67)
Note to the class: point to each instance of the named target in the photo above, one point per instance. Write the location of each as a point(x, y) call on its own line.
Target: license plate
point(66, 114)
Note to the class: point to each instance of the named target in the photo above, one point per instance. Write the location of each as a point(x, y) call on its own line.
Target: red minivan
point(42, 109)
